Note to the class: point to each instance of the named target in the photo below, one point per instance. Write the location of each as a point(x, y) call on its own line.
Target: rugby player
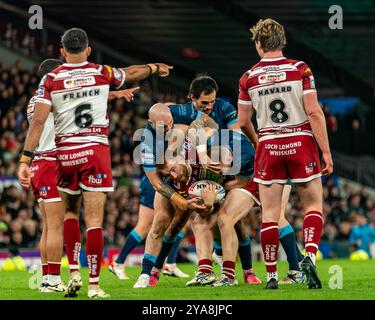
point(77, 94)
point(202, 94)
point(44, 185)
point(239, 186)
point(290, 123)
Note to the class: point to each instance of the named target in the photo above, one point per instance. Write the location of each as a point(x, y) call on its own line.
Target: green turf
point(358, 283)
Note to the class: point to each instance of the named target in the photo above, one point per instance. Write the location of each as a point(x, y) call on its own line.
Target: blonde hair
point(270, 34)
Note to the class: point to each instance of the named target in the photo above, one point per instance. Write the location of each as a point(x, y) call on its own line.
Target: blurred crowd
point(346, 211)
point(354, 121)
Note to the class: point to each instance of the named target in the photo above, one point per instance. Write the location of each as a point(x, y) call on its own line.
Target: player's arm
point(127, 94)
point(204, 121)
point(203, 125)
point(171, 194)
point(34, 133)
point(230, 117)
point(318, 126)
point(245, 114)
point(140, 72)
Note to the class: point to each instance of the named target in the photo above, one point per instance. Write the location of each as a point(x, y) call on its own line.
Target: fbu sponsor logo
point(97, 179)
point(44, 190)
point(310, 167)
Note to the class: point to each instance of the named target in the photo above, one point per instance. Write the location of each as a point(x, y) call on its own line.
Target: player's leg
point(93, 203)
point(139, 233)
point(45, 181)
point(179, 220)
point(305, 172)
point(42, 247)
point(311, 194)
point(244, 252)
point(236, 206)
point(72, 231)
point(202, 230)
point(288, 241)
point(54, 211)
point(170, 268)
point(217, 255)
point(135, 237)
point(164, 212)
point(270, 197)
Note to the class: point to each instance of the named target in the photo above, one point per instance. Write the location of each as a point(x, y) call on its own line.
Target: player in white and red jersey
point(44, 185)
point(77, 93)
point(282, 91)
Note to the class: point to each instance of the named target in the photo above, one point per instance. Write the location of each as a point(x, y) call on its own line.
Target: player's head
point(268, 35)
point(47, 66)
point(176, 169)
point(75, 43)
point(160, 115)
point(202, 92)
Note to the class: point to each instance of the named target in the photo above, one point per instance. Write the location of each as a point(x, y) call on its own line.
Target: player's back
point(275, 87)
point(78, 94)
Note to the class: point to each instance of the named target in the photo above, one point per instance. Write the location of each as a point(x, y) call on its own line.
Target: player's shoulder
point(181, 106)
point(299, 64)
point(248, 73)
point(222, 103)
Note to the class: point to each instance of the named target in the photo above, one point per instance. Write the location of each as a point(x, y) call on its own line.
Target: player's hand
point(208, 195)
point(127, 94)
point(195, 205)
point(163, 69)
point(327, 164)
point(24, 175)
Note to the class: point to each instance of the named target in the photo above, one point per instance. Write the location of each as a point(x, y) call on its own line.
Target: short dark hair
point(202, 83)
point(74, 40)
point(48, 65)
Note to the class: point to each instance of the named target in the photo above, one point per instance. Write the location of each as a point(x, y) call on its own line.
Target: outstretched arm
point(140, 72)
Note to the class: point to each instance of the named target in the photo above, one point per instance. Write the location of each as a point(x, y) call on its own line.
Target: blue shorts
point(147, 193)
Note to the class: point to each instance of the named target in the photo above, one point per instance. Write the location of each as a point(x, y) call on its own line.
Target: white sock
point(54, 279)
point(312, 257)
point(45, 278)
point(273, 275)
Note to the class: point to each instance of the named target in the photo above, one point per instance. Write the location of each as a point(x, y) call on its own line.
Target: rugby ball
point(194, 190)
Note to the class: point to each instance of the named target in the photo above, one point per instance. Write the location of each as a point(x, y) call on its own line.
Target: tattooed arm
point(171, 194)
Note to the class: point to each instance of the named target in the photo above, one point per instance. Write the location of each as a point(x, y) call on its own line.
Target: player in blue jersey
point(202, 94)
point(152, 147)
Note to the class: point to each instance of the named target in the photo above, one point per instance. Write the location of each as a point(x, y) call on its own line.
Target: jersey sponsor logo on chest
point(79, 82)
point(272, 77)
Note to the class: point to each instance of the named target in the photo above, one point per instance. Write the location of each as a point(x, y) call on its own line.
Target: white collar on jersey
point(75, 64)
point(273, 59)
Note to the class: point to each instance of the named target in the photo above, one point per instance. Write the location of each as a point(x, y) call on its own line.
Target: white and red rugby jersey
point(46, 146)
point(78, 94)
point(275, 88)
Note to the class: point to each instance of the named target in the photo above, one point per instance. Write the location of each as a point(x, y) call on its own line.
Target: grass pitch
point(358, 283)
